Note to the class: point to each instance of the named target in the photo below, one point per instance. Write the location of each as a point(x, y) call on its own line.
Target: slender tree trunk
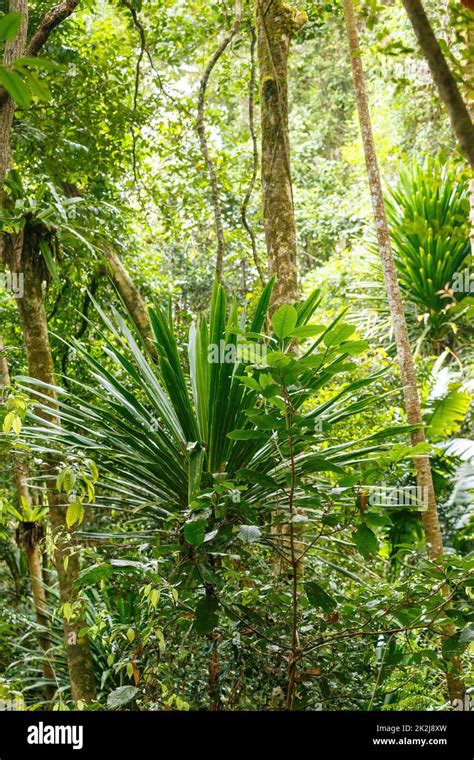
point(276, 23)
point(32, 548)
point(424, 478)
point(130, 295)
point(12, 49)
point(40, 366)
point(469, 82)
point(201, 130)
point(447, 87)
point(40, 362)
point(29, 536)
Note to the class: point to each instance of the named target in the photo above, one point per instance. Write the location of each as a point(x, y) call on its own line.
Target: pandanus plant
point(161, 432)
point(428, 212)
point(429, 223)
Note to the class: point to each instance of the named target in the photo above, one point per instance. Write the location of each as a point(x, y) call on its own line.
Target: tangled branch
point(201, 130)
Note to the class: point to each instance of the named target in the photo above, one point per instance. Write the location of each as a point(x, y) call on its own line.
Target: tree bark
point(41, 366)
point(276, 23)
point(13, 49)
point(32, 550)
point(447, 87)
point(429, 514)
point(130, 295)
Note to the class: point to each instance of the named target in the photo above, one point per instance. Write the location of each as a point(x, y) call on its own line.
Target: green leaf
point(265, 421)
point(338, 334)
point(10, 25)
point(278, 359)
point(206, 618)
point(246, 474)
point(15, 87)
point(121, 696)
point(8, 422)
point(35, 63)
point(366, 541)
point(195, 531)
point(467, 634)
point(354, 347)
point(244, 435)
point(448, 414)
point(318, 597)
point(249, 533)
point(95, 574)
point(284, 321)
point(307, 331)
point(74, 513)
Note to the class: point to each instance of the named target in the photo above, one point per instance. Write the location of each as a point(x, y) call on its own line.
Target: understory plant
point(221, 463)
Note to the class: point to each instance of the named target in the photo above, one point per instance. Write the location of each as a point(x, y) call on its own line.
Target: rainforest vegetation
point(236, 355)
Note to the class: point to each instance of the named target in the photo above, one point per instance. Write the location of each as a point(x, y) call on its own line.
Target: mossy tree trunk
point(29, 541)
point(26, 259)
point(276, 23)
point(23, 259)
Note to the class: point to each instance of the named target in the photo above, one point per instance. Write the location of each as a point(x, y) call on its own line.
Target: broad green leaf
point(244, 435)
point(453, 646)
point(318, 597)
point(246, 474)
point(284, 321)
point(74, 514)
point(354, 347)
point(15, 87)
point(366, 541)
point(206, 617)
point(35, 63)
point(249, 533)
point(8, 422)
point(121, 696)
point(195, 531)
point(338, 334)
point(10, 25)
point(307, 331)
point(467, 634)
point(448, 414)
point(94, 574)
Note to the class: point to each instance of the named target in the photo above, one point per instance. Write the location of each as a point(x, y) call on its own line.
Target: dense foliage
point(242, 527)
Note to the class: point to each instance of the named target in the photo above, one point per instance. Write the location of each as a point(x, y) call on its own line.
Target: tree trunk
point(201, 130)
point(40, 366)
point(424, 478)
point(130, 295)
point(12, 49)
point(447, 87)
point(469, 80)
point(32, 550)
point(276, 23)
point(29, 536)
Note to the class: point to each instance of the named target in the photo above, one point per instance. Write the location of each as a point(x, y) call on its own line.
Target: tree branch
point(203, 139)
point(49, 22)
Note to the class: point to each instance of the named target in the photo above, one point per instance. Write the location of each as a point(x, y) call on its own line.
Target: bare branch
point(201, 130)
